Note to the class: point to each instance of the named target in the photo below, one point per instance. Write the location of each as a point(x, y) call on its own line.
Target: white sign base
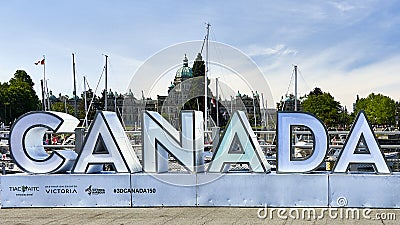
point(202, 189)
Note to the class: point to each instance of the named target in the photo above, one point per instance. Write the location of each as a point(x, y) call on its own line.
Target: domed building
point(188, 85)
point(169, 106)
point(183, 73)
point(178, 93)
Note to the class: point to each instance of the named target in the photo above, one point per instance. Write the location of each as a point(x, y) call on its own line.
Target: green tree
point(60, 107)
point(324, 106)
point(90, 96)
point(21, 76)
point(4, 104)
point(380, 109)
point(20, 96)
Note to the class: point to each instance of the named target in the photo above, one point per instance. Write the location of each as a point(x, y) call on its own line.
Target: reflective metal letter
point(160, 138)
point(361, 130)
point(285, 163)
point(26, 142)
point(107, 143)
point(239, 145)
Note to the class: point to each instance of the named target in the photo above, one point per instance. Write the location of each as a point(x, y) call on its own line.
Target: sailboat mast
point(254, 110)
point(74, 93)
point(295, 87)
point(105, 92)
point(264, 110)
point(216, 100)
point(84, 90)
point(205, 82)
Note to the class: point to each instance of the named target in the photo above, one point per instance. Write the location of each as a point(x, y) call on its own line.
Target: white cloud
point(381, 77)
point(343, 6)
point(378, 77)
point(279, 50)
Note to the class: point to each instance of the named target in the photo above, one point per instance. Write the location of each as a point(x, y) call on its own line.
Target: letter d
point(285, 162)
point(262, 213)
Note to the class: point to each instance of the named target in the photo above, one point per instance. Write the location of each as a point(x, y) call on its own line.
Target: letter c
point(26, 142)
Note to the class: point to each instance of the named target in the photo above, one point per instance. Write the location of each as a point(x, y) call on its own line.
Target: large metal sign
point(67, 179)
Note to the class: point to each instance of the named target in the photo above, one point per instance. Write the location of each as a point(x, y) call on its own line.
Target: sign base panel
point(167, 189)
point(202, 189)
point(258, 190)
point(72, 190)
point(362, 190)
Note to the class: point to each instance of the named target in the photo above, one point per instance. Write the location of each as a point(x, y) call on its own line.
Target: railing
point(266, 139)
point(264, 136)
point(260, 134)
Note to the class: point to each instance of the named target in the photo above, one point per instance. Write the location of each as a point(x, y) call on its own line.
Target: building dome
point(287, 99)
point(52, 97)
point(172, 86)
point(185, 71)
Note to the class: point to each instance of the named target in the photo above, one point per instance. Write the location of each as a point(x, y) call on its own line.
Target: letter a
point(239, 145)
point(361, 130)
point(106, 143)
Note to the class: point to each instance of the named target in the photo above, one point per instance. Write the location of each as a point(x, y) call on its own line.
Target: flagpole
point(43, 100)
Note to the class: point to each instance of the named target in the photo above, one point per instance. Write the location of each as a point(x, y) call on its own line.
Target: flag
point(40, 62)
point(214, 104)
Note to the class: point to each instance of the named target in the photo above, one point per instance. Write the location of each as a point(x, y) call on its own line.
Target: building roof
point(185, 71)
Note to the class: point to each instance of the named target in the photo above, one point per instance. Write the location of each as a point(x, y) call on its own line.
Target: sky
point(346, 48)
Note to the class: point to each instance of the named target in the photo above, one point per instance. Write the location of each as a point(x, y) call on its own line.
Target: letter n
point(160, 139)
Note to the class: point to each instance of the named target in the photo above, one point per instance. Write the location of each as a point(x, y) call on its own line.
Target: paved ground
point(189, 215)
